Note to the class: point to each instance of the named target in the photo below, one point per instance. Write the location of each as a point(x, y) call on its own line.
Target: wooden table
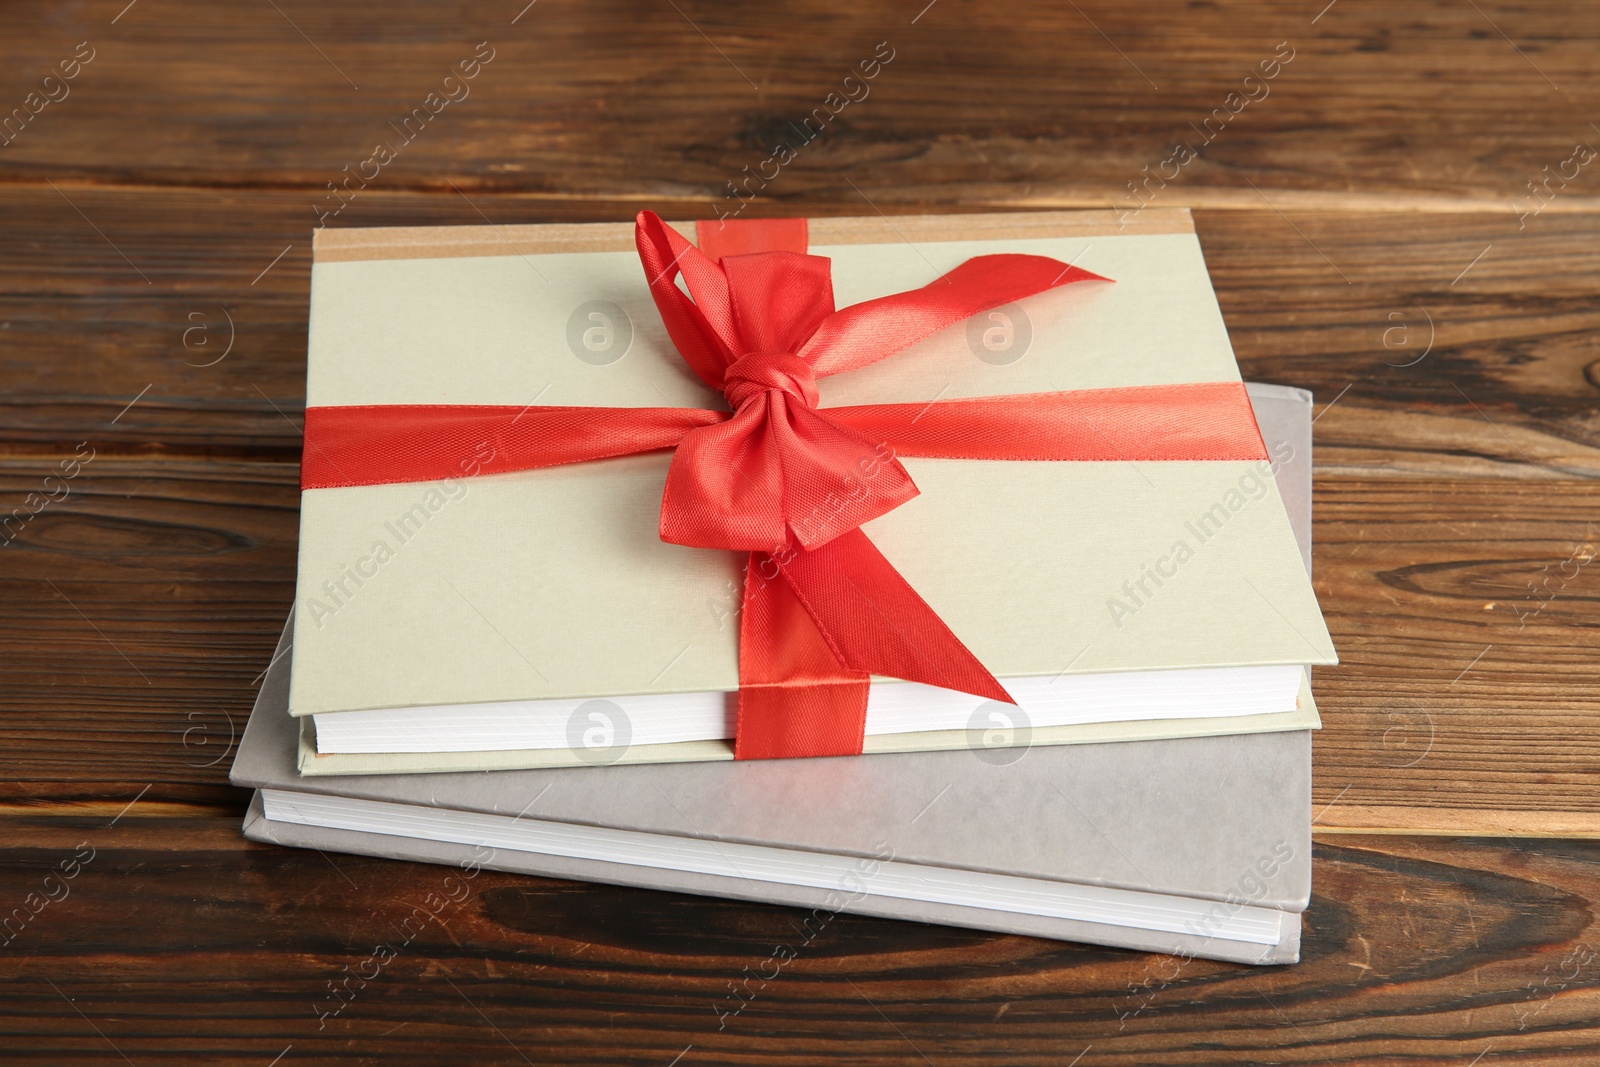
point(1404, 217)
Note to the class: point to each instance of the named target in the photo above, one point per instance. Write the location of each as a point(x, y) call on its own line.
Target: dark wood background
point(1371, 234)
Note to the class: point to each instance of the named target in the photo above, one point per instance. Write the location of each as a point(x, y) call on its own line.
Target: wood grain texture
point(1465, 617)
point(177, 942)
point(1453, 345)
point(1028, 103)
point(1369, 232)
point(142, 607)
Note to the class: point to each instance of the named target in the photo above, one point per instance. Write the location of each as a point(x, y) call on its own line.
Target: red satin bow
point(791, 484)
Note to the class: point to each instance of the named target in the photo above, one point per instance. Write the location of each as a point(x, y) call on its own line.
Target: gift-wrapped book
point(1192, 846)
point(585, 494)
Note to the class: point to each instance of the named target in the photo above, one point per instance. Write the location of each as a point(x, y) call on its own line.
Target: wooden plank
point(1442, 596)
point(1025, 104)
point(1341, 819)
point(145, 604)
point(1509, 377)
point(177, 940)
point(1454, 345)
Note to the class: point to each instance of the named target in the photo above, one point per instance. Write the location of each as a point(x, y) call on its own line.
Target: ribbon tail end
point(990, 689)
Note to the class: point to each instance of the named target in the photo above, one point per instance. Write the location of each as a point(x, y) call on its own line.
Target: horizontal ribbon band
point(388, 443)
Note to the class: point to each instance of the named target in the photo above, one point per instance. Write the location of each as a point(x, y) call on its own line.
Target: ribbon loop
point(779, 299)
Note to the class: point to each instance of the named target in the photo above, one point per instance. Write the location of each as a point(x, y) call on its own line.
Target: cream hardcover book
point(536, 619)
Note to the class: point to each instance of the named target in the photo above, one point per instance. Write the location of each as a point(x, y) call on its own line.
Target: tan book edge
point(446, 242)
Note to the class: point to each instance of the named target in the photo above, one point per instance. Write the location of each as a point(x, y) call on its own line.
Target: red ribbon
point(789, 483)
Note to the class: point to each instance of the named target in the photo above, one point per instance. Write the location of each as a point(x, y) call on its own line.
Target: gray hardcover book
point(1194, 846)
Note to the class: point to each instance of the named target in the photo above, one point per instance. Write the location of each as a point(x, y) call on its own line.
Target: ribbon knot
point(756, 373)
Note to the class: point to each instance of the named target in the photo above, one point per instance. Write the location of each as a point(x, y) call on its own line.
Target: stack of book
point(512, 666)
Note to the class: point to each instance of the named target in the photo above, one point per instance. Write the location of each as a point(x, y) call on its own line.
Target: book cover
point(552, 585)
